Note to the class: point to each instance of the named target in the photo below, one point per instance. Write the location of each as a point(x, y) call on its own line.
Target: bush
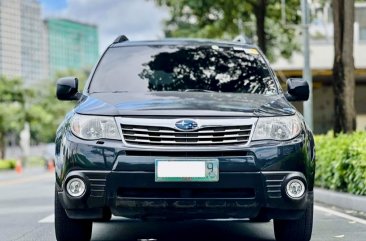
point(7, 164)
point(341, 162)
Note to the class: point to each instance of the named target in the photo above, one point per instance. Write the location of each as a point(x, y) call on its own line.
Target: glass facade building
point(71, 45)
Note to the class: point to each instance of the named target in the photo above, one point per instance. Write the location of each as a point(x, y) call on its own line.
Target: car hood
point(184, 104)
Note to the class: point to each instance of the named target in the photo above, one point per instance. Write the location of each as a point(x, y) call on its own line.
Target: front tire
point(300, 230)
point(68, 229)
point(107, 216)
point(260, 218)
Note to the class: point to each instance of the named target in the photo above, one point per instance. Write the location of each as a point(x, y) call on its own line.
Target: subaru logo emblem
point(186, 125)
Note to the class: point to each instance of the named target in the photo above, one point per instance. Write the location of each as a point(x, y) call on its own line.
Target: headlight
point(277, 128)
point(94, 127)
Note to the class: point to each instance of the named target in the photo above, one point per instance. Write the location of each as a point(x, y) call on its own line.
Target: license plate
point(197, 170)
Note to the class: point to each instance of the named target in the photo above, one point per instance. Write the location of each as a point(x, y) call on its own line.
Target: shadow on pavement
point(132, 230)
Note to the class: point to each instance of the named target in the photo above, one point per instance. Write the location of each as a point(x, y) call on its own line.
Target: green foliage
point(341, 162)
point(37, 106)
point(226, 19)
point(12, 96)
point(7, 164)
point(45, 112)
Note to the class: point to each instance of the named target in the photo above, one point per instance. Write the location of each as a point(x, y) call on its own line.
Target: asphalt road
point(26, 213)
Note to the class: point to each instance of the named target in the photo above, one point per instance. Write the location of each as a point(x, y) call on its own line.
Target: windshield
point(183, 68)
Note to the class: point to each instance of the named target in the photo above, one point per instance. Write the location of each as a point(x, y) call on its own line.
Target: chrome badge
point(186, 125)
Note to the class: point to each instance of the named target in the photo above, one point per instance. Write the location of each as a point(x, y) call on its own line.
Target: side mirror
point(297, 90)
point(67, 89)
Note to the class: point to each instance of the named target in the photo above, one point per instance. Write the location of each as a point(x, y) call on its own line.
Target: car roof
point(183, 41)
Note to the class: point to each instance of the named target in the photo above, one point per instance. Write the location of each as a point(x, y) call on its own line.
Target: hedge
point(341, 162)
point(7, 164)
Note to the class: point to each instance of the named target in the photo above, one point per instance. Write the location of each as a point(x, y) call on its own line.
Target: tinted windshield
point(183, 68)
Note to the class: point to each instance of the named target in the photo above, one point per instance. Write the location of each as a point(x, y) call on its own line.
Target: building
point(321, 61)
point(21, 41)
point(35, 50)
point(34, 54)
point(71, 45)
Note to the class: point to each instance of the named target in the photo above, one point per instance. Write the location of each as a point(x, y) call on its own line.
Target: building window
point(363, 33)
point(360, 18)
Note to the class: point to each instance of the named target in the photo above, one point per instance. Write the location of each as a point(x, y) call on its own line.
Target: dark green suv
point(183, 129)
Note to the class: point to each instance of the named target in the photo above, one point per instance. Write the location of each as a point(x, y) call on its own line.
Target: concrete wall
point(324, 108)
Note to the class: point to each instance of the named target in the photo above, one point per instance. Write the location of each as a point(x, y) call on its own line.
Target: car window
point(183, 68)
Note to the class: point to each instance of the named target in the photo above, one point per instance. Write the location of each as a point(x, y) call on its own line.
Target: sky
point(137, 19)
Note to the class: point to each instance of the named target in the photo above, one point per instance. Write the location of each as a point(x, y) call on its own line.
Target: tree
point(343, 67)
point(45, 112)
point(12, 116)
point(39, 107)
point(224, 18)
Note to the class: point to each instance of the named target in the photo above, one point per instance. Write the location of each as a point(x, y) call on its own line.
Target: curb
point(341, 200)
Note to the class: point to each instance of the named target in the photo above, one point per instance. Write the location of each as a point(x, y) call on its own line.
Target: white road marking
point(48, 219)
point(51, 219)
point(25, 209)
point(339, 214)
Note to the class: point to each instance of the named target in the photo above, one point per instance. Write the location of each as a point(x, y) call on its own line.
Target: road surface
point(26, 214)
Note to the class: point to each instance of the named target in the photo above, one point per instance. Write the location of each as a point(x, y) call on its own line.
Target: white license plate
point(202, 170)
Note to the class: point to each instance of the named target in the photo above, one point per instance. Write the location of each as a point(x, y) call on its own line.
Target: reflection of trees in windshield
point(206, 68)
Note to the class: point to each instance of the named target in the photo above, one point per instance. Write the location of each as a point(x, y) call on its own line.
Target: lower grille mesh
point(186, 193)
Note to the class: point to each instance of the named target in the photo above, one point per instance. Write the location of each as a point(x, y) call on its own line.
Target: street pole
point(308, 105)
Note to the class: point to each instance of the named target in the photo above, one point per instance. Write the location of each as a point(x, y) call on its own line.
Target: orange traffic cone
point(50, 166)
point(18, 167)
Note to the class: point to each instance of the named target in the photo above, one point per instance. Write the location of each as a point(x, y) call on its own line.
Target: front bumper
point(251, 181)
point(137, 195)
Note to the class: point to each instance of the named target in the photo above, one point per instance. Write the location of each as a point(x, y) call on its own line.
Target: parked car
point(184, 129)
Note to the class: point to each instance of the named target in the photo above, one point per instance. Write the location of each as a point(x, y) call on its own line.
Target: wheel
point(260, 218)
point(299, 230)
point(107, 216)
point(68, 229)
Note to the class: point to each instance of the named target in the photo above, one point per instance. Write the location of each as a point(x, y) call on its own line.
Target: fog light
point(295, 188)
point(75, 187)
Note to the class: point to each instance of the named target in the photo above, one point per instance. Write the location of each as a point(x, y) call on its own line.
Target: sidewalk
point(341, 200)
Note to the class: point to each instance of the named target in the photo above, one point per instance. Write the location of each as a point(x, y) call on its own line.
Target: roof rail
point(120, 39)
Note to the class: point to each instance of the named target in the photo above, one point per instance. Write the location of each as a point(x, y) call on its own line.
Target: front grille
point(165, 136)
point(186, 193)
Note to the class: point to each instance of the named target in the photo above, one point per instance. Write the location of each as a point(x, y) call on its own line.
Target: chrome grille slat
point(153, 135)
point(160, 140)
point(185, 132)
point(186, 137)
point(184, 143)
